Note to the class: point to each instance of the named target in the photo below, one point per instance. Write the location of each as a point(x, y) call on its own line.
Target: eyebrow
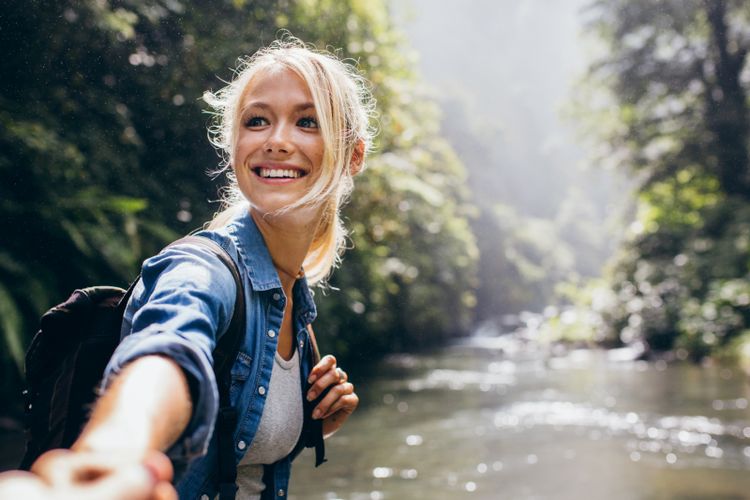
point(299, 107)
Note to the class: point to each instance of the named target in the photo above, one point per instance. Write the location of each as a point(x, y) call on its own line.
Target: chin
point(278, 211)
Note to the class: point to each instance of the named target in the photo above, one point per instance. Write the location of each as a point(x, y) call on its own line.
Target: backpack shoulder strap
point(316, 432)
point(313, 345)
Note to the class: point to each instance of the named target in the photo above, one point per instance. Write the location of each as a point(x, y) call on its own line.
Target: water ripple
point(498, 375)
point(656, 434)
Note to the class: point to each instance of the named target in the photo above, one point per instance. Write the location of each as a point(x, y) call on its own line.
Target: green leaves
point(103, 156)
point(680, 121)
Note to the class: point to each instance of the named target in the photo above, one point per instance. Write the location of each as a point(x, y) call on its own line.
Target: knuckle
point(52, 457)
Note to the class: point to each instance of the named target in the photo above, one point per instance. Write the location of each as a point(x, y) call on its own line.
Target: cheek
point(315, 151)
point(245, 145)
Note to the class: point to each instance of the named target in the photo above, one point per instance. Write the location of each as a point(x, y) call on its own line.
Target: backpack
point(67, 357)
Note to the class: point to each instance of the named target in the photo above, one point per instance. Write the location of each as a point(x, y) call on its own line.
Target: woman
point(293, 130)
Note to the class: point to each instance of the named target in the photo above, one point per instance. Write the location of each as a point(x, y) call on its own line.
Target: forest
point(104, 159)
point(668, 104)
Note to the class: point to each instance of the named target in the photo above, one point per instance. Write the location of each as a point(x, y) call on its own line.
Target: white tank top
point(279, 429)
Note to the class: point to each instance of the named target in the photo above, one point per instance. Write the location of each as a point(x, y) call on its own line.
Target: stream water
point(495, 418)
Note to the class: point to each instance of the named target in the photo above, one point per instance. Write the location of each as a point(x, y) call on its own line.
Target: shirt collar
point(252, 250)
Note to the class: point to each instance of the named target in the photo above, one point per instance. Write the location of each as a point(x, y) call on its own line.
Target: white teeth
point(277, 172)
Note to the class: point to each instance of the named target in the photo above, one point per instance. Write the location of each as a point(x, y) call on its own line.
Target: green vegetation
point(103, 156)
point(104, 159)
point(672, 95)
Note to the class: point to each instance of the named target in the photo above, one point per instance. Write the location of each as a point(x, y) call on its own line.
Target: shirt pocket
point(240, 372)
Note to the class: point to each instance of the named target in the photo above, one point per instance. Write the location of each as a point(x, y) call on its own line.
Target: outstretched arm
point(146, 408)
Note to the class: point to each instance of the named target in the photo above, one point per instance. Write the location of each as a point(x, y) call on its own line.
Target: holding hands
point(339, 402)
point(66, 475)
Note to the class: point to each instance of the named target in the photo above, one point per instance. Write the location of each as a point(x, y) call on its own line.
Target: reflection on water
point(496, 417)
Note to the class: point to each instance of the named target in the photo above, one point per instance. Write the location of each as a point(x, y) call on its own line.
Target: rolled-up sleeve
point(184, 301)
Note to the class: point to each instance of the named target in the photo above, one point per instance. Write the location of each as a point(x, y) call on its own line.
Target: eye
point(307, 122)
point(256, 121)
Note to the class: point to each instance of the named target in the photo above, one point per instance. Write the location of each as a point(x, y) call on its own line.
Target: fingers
point(341, 397)
point(131, 483)
point(322, 375)
point(164, 491)
point(161, 468)
point(93, 475)
point(65, 467)
point(17, 484)
point(159, 465)
point(339, 412)
point(340, 401)
point(330, 378)
point(326, 363)
point(55, 466)
point(134, 482)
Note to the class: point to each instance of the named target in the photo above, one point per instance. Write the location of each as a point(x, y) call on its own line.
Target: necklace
point(299, 274)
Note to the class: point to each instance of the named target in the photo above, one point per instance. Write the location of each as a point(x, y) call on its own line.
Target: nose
point(279, 140)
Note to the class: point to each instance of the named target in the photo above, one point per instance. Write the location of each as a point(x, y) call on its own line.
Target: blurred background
point(547, 295)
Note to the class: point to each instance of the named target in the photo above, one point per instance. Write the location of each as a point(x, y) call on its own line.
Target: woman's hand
point(340, 401)
point(66, 475)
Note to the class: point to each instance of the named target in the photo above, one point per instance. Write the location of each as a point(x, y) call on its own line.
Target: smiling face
point(279, 148)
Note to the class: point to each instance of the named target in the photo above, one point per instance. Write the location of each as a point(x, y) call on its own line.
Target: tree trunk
point(726, 111)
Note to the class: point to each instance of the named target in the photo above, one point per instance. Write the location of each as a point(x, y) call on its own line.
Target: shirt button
point(301, 344)
point(241, 445)
point(271, 333)
point(281, 493)
point(261, 390)
point(276, 296)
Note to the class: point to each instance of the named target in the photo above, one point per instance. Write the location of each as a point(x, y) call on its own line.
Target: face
point(279, 146)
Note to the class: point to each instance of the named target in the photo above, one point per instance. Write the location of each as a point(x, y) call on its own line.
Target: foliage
point(584, 317)
point(674, 112)
point(103, 155)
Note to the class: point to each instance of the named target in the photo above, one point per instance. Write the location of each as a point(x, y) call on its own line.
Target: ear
point(358, 158)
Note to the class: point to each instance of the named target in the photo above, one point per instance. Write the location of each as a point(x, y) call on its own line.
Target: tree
point(103, 156)
point(674, 71)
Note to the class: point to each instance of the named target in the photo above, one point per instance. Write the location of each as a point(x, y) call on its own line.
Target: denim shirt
point(183, 302)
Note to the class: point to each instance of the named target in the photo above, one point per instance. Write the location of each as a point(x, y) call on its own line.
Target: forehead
point(277, 83)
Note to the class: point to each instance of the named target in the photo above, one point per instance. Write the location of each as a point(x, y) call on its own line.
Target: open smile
point(278, 173)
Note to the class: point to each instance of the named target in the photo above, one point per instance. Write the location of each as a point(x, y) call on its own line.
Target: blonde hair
point(343, 105)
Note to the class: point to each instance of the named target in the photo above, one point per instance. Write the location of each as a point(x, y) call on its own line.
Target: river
point(497, 418)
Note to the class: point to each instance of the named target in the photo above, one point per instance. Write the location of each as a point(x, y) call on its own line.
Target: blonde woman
point(293, 130)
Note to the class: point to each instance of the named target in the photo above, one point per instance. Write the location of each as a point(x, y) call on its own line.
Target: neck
point(288, 238)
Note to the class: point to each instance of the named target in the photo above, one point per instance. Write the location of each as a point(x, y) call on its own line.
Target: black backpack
point(67, 357)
